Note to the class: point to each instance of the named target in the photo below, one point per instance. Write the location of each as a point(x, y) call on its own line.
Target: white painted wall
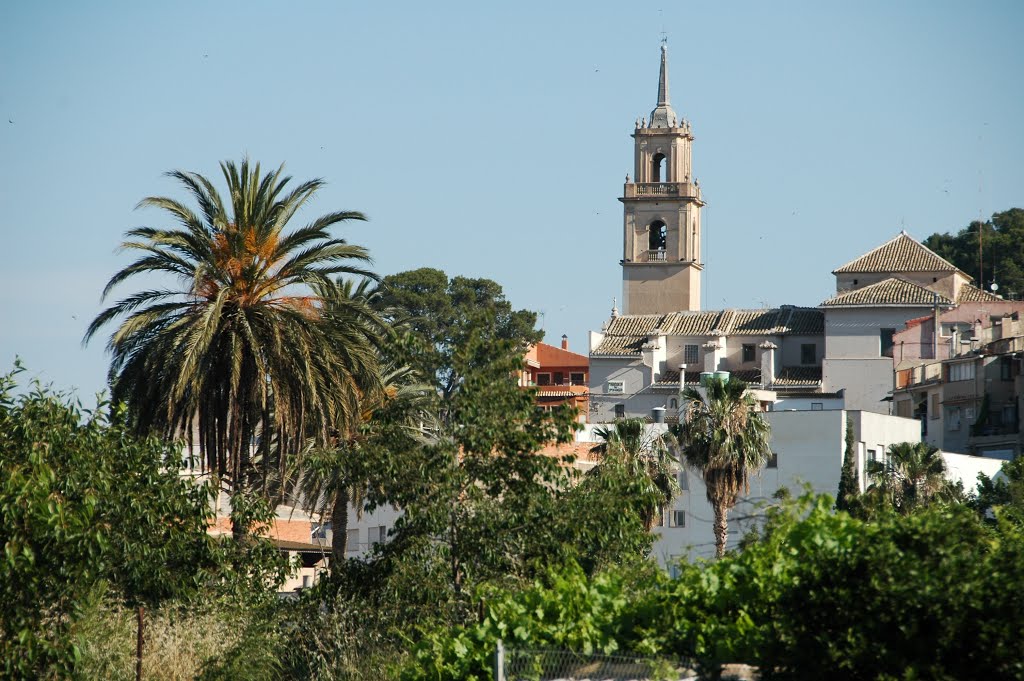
point(810, 447)
point(785, 402)
point(965, 468)
point(852, 333)
point(864, 382)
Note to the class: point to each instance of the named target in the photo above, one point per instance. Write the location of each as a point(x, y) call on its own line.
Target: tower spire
point(663, 76)
point(663, 115)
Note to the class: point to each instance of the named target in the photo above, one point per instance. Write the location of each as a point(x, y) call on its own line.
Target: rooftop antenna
point(981, 210)
point(981, 234)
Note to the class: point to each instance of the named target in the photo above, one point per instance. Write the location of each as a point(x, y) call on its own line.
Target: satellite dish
point(994, 286)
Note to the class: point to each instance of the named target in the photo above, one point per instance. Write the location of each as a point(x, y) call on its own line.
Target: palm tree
point(913, 474)
point(646, 459)
point(240, 350)
point(725, 439)
point(393, 413)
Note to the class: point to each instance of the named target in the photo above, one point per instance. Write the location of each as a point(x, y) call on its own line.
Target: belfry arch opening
point(659, 168)
point(657, 236)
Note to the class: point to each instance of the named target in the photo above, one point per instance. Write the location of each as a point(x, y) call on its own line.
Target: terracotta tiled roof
point(973, 294)
point(803, 321)
point(626, 334)
point(798, 376)
point(634, 324)
point(901, 254)
point(890, 291)
point(619, 345)
point(692, 323)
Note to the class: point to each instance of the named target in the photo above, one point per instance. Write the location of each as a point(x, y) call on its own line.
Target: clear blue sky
point(492, 140)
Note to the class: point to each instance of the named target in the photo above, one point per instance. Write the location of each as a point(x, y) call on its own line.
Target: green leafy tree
point(1003, 491)
point(474, 499)
point(1002, 250)
point(472, 496)
point(933, 594)
point(241, 347)
point(849, 489)
point(333, 478)
point(83, 502)
point(444, 315)
point(722, 436)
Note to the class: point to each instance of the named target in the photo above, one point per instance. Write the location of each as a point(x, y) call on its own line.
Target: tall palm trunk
point(339, 525)
point(721, 527)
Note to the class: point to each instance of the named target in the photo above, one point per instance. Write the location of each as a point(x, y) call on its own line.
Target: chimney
point(711, 349)
point(565, 342)
point(768, 369)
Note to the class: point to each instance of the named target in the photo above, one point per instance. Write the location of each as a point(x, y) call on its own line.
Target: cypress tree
point(848, 487)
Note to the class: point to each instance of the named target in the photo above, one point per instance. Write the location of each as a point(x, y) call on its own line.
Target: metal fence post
point(499, 662)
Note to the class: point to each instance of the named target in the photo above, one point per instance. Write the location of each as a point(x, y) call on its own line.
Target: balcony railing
point(673, 189)
point(990, 430)
point(926, 373)
point(657, 255)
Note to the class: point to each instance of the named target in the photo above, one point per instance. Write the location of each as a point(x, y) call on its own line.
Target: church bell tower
point(661, 263)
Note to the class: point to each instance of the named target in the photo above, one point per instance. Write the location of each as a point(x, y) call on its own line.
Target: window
point(378, 535)
point(885, 342)
point(559, 378)
point(543, 379)
point(1010, 415)
point(657, 236)
point(934, 406)
point(808, 353)
point(1006, 368)
point(962, 371)
point(616, 387)
point(577, 378)
point(673, 403)
point(872, 455)
point(677, 519)
point(684, 481)
point(773, 460)
point(620, 411)
point(318, 531)
point(353, 540)
point(952, 418)
point(689, 354)
point(748, 352)
point(903, 408)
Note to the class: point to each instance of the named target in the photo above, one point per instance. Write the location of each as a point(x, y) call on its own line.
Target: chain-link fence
point(520, 664)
